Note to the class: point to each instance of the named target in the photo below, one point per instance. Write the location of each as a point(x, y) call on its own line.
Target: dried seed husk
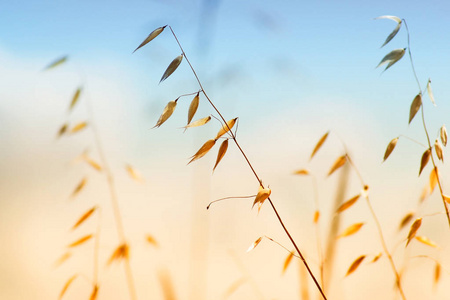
point(81, 241)
point(355, 264)
point(390, 148)
point(172, 67)
point(222, 150)
point(392, 57)
point(434, 177)
point(203, 150)
point(287, 261)
point(414, 227)
point(150, 239)
point(66, 286)
point(193, 107)
point(78, 127)
point(426, 241)
point(438, 149)
point(56, 63)
point(227, 127)
point(79, 187)
point(352, 229)
point(134, 173)
point(151, 36)
point(396, 29)
point(167, 112)
point(84, 217)
point(415, 106)
point(121, 252)
point(430, 92)
point(316, 216)
point(408, 217)
point(347, 204)
point(424, 161)
point(255, 243)
point(443, 135)
point(319, 144)
point(199, 122)
point(301, 172)
point(75, 98)
point(262, 195)
point(337, 164)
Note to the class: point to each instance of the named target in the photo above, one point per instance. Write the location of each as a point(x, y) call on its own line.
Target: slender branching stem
point(447, 213)
point(380, 230)
point(251, 167)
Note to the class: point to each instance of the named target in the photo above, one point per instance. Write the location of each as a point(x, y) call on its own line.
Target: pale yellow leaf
point(203, 150)
point(150, 239)
point(355, 265)
point(81, 241)
point(222, 150)
point(390, 148)
point(319, 144)
point(434, 177)
point(406, 219)
point(172, 67)
point(66, 286)
point(352, 229)
point(347, 204)
point(430, 92)
point(56, 63)
point(337, 164)
point(414, 227)
point(443, 135)
point(415, 106)
point(199, 122)
point(134, 173)
point(392, 57)
point(193, 107)
point(79, 187)
point(438, 149)
point(151, 36)
point(287, 261)
point(262, 195)
point(84, 217)
point(255, 243)
point(121, 252)
point(167, 112)
point(78, 127)
point(75, 98)
point(316, 216)
point(227, 127)
point(424, 161)
point(301, 172)
point(426, 241)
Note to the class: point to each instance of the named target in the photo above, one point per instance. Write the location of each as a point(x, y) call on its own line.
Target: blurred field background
point(289, 71)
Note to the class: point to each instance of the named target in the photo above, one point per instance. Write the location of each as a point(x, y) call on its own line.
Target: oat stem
point(251, 167)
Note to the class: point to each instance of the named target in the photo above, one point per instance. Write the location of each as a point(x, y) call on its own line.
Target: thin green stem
point(251, 167)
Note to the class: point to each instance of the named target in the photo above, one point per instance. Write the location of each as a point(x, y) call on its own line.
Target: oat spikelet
point(227, 127)
point(430, 92)
point(443, 135)
point(79, 187)
point(262, 195)
point(396, 29)
point(438, 149)
point(121, 252)
point(134, 173)
point(287, 261)
point(199, 122)
point(150, 239)
point(434, 177)
point(390, 148)
point(203, 150)
point(255, 243)
point(316, 216)
point(406, 219)
point(75, 99)
point(426, 241)
point(81, 241)
point(93, 163)
point(319, 144)
point(94, 293)
point(78, 127)
point(56, 63)
point(352, 229)
point(424, 161)
point(376, 257)
point(167, 112)
point(347, 204)
point(62, 130)
point(84, 217)
point(415, 106)
point(446, 198)
point(437, 272)
point(301, 172)
point(193, 108)
point(337, 164)
point(151, 36)
point(222, 150)
point(412, 232)
point(172, 67)
point(392, 57)
point(66, 286)
point(355, 265)
point(63, 258)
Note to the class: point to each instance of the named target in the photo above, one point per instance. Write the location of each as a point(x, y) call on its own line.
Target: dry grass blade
point(121, 252)
point(347, 204)
point(337, 164)
point(396, 29)
point(94, 293)
point(78, 127)
point(193, 107)
point(414, 227)
point(172, 67)
point(167, 112)
point(426, 241)
point(406, 219)
point(227, 127)
point(430, 92)
point(437, 272)
point(415, 106)
point(134, 173)
point(316, 216)
point(84, 217)
point(287, 261)
point(151, 36)
point(301, 172)
point(81, 241)
point(392, 57)
point(355, 265)
point(79, 187)
point(222, 150)
point(203, 150)
point(438, 149)
point(262, 195)
point(352, 229)
point(390, 148)
point(75, 98)
point(319, 144)
point(62, 130)
point(56, 63)
point(255, 243)
point(199, 122)
point(151, 240)
point(66, 286)
point(424, 161)
point(443, 135)
point(434, 177)
point(63, 258)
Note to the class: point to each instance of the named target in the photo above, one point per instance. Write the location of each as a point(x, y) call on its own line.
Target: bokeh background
point(290, 71)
